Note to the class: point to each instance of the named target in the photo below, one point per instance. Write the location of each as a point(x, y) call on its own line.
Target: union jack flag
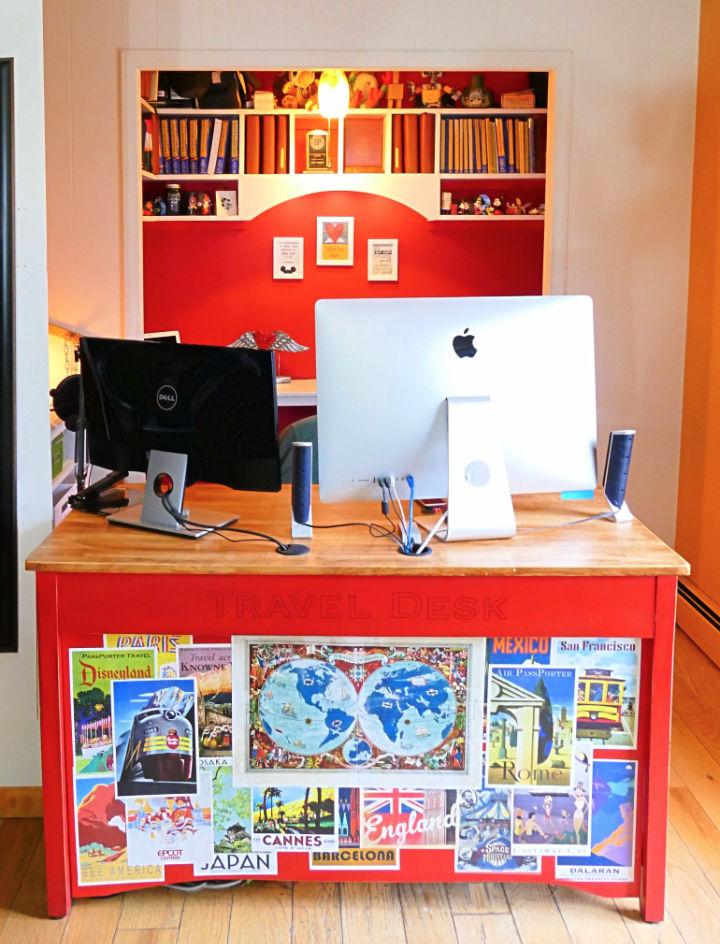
point(387, 809)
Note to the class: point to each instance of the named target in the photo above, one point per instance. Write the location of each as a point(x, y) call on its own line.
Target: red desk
point(597, 579)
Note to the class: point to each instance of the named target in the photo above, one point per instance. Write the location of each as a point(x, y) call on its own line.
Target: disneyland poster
point(294, 819)
point(554, 823)
point(612, 827)
point(531, 727)
point(173, 830)
point(154, 736)
point(165, 645)
point(91, 673)
point(345, 711)
point(211, 667)
point(608, 676)
point(100, 835)
point(484, 834)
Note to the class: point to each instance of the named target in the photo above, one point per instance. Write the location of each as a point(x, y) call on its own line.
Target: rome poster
point(353, 712)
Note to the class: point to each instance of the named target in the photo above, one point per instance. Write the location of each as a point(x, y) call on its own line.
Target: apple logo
point(463, 344)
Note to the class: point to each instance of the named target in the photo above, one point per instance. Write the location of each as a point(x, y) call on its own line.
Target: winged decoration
point(268, 341)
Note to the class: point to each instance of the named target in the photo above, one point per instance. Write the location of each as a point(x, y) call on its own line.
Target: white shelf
point(499, 218)
point(67, 470)
point(494, 112)
point(191, 219)
point(147, 175)
point(506, 176)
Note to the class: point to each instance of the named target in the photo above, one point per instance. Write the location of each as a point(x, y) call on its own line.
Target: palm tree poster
point(531, 727)
point(296, 818)
point(554, 823)
point(353, 713)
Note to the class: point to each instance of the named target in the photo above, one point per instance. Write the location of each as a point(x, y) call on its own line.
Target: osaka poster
point(365, 711)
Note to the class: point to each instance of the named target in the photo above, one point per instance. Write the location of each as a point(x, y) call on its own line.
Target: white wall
point(21, 39)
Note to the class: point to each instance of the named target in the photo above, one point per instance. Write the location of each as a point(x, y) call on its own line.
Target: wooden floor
point(278, 913)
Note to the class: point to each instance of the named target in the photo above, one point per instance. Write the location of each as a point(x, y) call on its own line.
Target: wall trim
point(21, 802)
point(699, 617)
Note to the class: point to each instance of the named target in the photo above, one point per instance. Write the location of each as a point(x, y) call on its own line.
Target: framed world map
point(351, 711)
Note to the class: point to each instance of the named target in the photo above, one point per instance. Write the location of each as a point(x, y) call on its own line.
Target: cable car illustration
point(599, 704)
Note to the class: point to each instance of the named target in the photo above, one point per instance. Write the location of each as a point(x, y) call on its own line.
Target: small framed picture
point(226, 203)
point(335, 241)
point(382, 260)
point(288, 257)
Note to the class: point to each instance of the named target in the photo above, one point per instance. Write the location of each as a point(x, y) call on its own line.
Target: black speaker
point(617, 465)
point(301, 480)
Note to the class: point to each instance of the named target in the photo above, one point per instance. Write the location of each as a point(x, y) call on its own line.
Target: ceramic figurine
point(159, 207)
point(482, 205)
point(193, 205)
point(464, 208)
point(497, 206)
point(431, 92)
point(476, 95)
point(205, 204)
point(538, 210)
point(148, 208)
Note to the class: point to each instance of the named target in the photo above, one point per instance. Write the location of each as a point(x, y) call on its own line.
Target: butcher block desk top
point(85, 543)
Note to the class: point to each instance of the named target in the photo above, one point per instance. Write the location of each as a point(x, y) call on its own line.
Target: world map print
point(331, 706)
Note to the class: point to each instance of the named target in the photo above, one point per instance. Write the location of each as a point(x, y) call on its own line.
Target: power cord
point(195, 526)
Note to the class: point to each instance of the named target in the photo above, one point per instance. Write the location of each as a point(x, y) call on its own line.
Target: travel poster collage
point(350, 751)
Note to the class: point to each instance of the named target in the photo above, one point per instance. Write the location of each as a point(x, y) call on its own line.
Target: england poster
point(612, 827)
point(402, 817)
point(101, 839)
point(484, 834)
point(155, 738)
point(356, 713)
point(91, 673)
point(211, 667)
point(531, 727)
point(608, 674)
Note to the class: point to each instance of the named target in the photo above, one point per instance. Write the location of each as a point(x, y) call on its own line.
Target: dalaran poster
point(530, 727)
point(155, 737)
point(91, 674)
point(101, 837)
point(608, 674)
point(612, 827)
point(211, 667)
point(345, 711)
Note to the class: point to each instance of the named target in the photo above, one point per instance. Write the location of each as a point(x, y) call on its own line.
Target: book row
point(266, 144)
point(495, 145)
point(413, 144)
point(158, 745)
point(191, 145)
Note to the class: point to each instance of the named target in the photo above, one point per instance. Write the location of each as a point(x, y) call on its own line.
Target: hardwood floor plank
point(371, 912)
point(151, 908)
point(536, 915)
point(697, 767)
point(426, 914)
point(643, 933)
point(486, 929)
point(472, 898)
point(316, 913)
point(696, 679)
point(590, 919)
point(261, 913)
point(27, 922)
point(206, 917)
point(143, 936)
point(699, 832)
point(19, 840)
point(93, 919)
point(692, 902)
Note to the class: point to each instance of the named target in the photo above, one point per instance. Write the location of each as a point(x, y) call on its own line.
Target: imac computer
point(474, 398)
point(181, 413)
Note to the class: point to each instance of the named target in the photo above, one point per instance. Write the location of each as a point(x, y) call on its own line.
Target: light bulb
point(333, 93)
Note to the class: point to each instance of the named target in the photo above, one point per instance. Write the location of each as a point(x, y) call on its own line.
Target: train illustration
point(160, 745)
point(599, 704)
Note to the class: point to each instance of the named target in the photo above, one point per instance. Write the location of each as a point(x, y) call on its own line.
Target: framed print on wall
point(288, 254)
point(335, 240)
point(382, 260)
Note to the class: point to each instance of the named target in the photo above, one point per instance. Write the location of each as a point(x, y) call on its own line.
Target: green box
point(57, 453)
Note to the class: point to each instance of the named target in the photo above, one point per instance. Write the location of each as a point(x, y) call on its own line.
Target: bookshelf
point(258, 192)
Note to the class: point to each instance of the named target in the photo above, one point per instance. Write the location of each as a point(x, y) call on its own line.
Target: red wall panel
point(212, 281)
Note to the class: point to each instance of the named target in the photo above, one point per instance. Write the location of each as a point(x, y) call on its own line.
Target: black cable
point(378, 532)
point(199, 526)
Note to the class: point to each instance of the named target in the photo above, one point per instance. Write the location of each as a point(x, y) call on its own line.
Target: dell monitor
point(188, 411)
point(389, 371)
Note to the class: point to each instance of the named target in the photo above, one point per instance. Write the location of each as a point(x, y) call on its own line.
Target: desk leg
point(57, 865)
point(652, 881)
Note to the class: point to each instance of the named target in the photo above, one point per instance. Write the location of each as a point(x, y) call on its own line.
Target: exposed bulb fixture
point(333, 93)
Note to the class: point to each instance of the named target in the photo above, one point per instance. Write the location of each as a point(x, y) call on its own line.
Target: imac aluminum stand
point(479, 502)
point(169, 468)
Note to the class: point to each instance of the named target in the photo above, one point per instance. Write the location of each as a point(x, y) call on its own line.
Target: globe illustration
point(308, 706)
point(357, 752)
point(407, 708)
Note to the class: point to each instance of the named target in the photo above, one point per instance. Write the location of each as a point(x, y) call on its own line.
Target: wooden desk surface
point(86, 543)
point(297, 393)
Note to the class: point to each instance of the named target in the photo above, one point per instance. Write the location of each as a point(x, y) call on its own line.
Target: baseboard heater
point(707, 612)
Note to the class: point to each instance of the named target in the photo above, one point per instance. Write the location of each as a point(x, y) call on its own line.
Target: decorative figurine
point(517, 207)
point(193, 204)
point(298, 90)
point(464, 207)
point(205, 204)
point(148, 208)
point(159, 207)
point(482, 205)
point(268, 341)
point(431, 92)
point(365, 90)
point(497, 206)
point(450, 97)
point(538, 210)
point(476, 95)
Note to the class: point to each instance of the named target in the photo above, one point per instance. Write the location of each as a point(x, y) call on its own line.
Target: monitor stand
point(153, 516)
point(479, 502)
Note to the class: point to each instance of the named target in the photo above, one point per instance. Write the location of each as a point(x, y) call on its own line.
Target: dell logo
point(167, 397)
